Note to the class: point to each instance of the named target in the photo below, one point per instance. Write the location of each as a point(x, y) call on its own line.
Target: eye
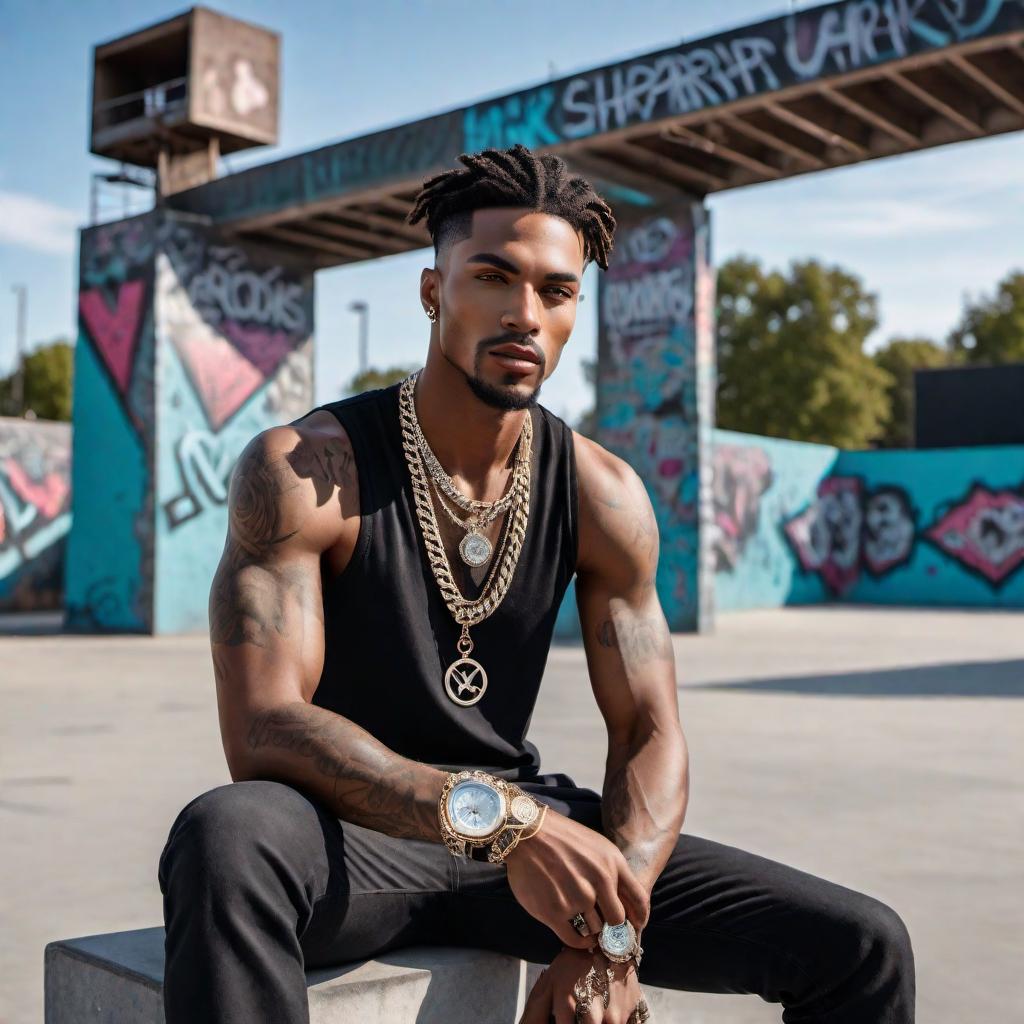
point(560, 292)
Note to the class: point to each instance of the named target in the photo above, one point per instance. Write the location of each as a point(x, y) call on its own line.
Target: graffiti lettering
point(847, 528)
point(522, 119)
point(227, 288)
point(984, 532)
point(672, 84)
point(205, 467)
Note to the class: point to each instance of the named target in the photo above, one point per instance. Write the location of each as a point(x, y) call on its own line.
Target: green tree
point(47, 386)
point(374, 378)
point(791, 360)
point(991, 330)
point(900, 358)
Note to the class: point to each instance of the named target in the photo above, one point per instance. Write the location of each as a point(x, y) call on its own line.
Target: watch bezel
point(614, 954)
point(473, 837)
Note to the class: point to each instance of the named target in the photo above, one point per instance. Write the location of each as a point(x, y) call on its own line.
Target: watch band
point(523, 814)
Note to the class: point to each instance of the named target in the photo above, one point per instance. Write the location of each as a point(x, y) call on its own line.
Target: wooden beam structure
point(820, 87)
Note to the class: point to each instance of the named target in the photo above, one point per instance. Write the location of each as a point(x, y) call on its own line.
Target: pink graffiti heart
point(47, 496)
point(115, 332)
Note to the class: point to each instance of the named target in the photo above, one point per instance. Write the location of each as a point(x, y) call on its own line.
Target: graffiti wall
point(941, 526)
point(188, 345)
point(35, 513)
point(798, 524)
point(234, 356)
point(654, 386)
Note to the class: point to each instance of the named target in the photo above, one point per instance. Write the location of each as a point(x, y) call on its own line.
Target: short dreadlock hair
point(514, 177)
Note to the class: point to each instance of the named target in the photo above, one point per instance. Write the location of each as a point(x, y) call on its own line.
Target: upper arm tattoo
point(251, 590)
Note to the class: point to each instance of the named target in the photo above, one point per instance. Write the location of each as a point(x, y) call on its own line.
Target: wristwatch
point(620, 942)
point(477, 810)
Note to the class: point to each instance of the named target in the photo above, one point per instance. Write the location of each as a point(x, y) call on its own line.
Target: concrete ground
point(880, 748)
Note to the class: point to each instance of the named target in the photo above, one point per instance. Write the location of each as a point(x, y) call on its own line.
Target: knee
point(221, 835)
point(877, 935)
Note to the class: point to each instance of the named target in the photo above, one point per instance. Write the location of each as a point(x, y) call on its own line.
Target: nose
point(522, 317)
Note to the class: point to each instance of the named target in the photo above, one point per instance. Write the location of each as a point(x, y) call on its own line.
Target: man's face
point(514, 281)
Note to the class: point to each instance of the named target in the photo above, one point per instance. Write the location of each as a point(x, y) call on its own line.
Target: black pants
point(259, 882)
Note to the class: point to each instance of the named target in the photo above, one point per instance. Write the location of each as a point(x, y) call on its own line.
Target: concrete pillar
point(655, 387)
point(189, 344)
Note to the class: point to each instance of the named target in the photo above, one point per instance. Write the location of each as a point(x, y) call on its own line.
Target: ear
point(430, 288)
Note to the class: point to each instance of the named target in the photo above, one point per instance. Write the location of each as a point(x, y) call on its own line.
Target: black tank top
point(390, 636)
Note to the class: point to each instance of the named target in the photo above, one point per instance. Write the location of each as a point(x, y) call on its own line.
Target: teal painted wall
point(110, 547)
point(799, 524)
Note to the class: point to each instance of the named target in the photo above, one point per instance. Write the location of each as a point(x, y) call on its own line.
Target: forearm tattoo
point(639, 640)
point(640, 809)
point(369, 784)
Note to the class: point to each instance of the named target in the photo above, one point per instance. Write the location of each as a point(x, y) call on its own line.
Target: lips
point(517, 352)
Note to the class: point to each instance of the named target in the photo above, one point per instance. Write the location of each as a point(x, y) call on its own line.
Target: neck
point(472, 441)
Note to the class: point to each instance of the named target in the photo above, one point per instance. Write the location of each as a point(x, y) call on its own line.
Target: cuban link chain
point(464, 671)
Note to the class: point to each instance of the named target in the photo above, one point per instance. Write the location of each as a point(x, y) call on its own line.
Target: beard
point(496, 396)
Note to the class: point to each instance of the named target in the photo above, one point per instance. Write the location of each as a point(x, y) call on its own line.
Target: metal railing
point(154, 101)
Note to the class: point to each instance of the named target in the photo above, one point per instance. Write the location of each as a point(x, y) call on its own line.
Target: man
point(380, 621)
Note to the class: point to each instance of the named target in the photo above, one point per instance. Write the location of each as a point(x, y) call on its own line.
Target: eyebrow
point(499, 261)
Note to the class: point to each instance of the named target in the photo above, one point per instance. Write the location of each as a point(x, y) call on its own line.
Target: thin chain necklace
point(463, 673)
point(475, 549)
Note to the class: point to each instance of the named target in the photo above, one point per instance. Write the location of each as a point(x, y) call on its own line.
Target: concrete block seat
point(118, 978)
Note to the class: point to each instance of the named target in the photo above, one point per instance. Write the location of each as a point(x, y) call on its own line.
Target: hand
point(552, 994)
point(567, 868)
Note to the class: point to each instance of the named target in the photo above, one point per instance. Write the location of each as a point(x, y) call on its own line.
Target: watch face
point(475, 809)
point(618, 939)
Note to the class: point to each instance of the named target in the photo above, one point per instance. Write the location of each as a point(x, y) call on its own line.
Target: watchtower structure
point(178, 94)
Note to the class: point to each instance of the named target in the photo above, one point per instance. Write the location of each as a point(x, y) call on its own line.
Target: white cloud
point(36, 224)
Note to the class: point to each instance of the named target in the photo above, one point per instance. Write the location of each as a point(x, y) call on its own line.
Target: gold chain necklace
point(462, 674)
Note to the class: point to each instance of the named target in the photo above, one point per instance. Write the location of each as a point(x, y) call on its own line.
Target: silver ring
point(579, 922)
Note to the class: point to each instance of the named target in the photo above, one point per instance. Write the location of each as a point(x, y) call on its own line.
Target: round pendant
point(475, 549)
point(465, 676)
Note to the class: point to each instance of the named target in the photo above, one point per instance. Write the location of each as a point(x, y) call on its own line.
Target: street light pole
point(18, 384)
point(364, 333)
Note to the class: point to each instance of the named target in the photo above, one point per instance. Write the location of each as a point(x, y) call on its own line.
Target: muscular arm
point(631, 663)
point(290, 494)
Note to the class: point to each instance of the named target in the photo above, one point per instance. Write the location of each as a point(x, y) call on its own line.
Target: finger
point(594, 922)
point(636, 898)
point(538, 1003)
point(625, 994)
point(570, 937)
point(565, 1012)
point(608, 903)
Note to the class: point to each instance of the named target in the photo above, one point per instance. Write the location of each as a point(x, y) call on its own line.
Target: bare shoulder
point(294, 486)
point(617, 527)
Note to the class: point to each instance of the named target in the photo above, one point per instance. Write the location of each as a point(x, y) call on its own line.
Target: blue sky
point(921, 230)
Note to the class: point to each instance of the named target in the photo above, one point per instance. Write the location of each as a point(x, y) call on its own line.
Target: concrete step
point(118, 977)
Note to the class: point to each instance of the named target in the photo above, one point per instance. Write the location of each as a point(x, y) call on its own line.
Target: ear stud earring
point(432, 314)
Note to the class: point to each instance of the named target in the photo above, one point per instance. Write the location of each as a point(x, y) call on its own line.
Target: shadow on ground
point(964, 679)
